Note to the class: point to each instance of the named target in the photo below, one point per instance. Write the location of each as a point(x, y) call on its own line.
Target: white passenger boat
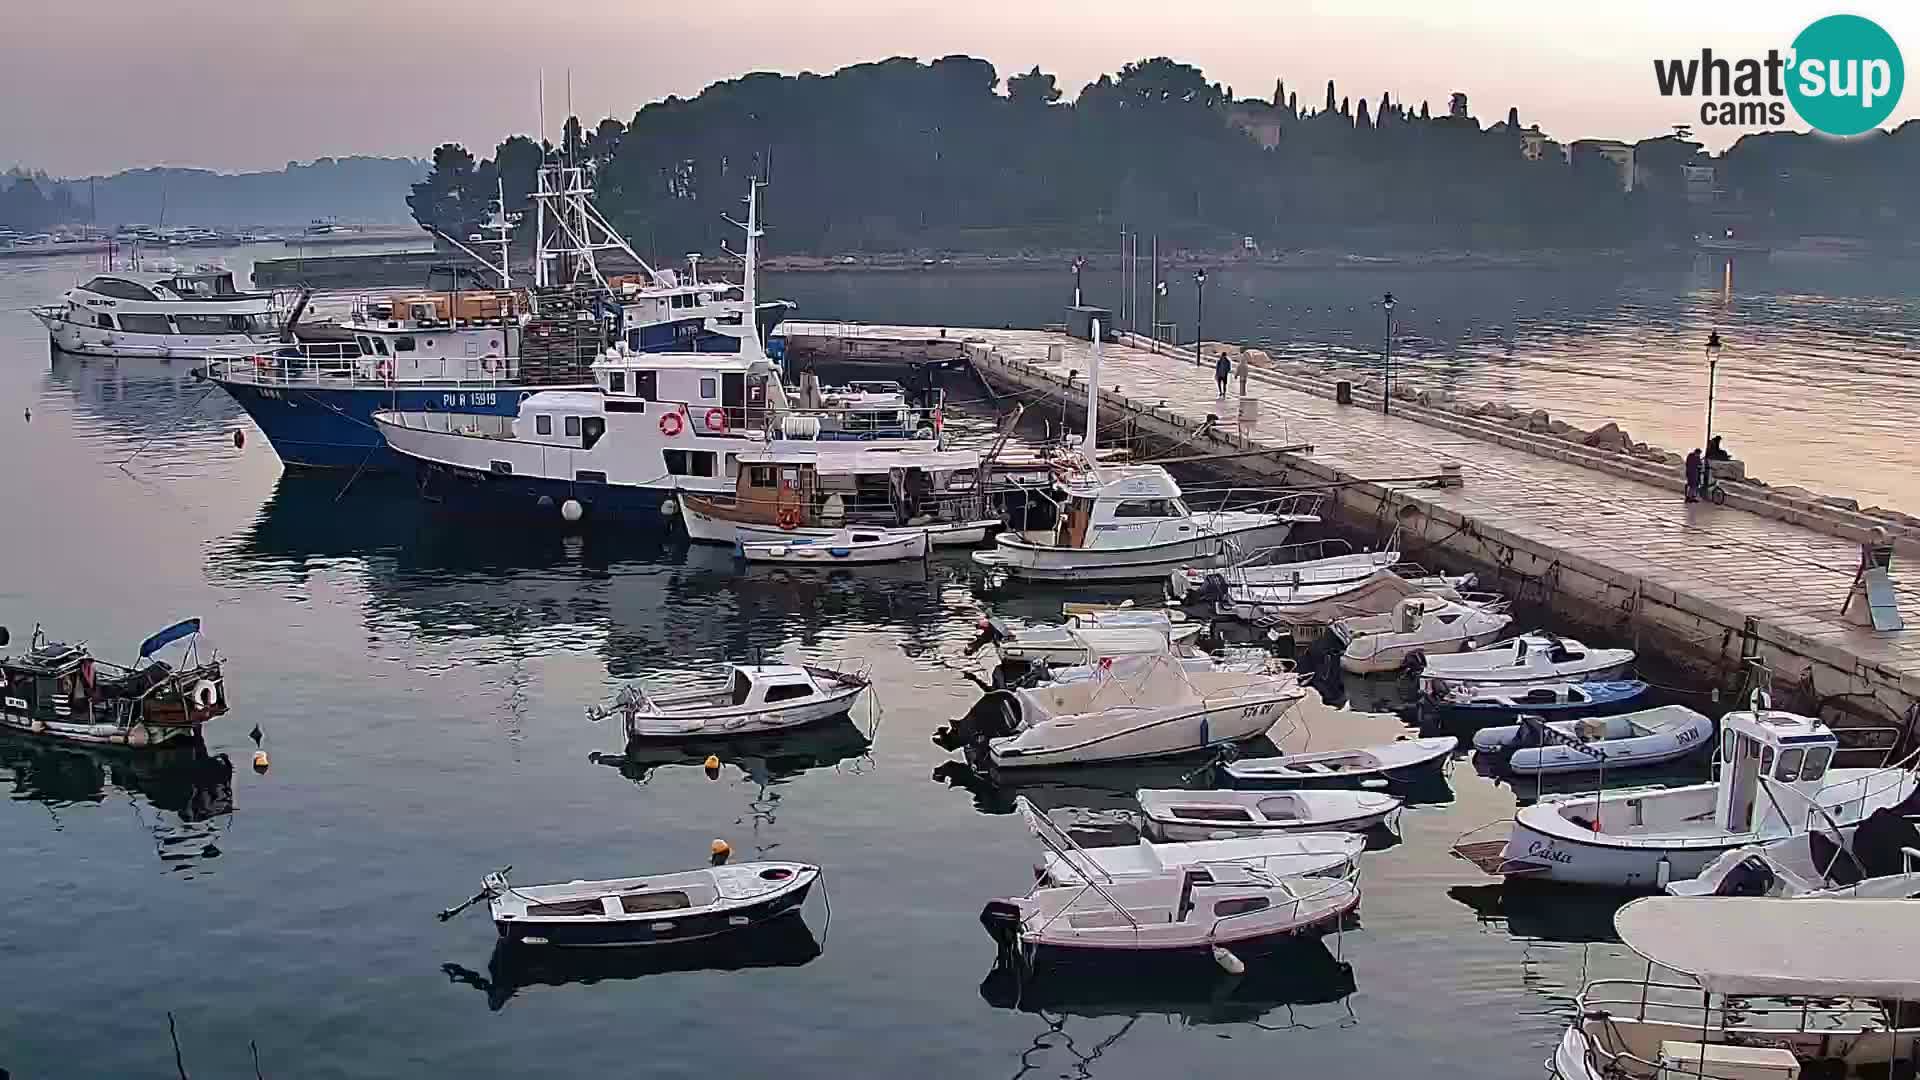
point(662, 909)
point(1162, 711)
point(1820, 984)
point(843, 548)
point(1776, 781)
point(755, 698)
point(1529, 658)
point(1173, 814)
point(179, 313)
point(1416, 628)
point(1296, 854)
point(1405, 762)
point(1320, 603)
point(1647, 737)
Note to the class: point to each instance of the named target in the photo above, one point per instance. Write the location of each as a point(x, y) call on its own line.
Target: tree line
point(898, 155)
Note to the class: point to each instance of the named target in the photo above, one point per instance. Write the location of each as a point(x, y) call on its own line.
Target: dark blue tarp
point(183, 628)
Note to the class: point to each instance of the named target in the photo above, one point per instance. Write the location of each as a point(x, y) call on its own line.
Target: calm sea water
point(420, 685)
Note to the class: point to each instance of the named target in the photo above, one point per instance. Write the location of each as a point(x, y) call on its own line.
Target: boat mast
point(1089, 444)
point(749, 289)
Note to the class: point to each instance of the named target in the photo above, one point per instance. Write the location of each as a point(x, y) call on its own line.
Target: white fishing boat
point(844, 548)
point(1298, 854)
point(1776, 781)
point(1804, 987)
point(1320, 603)
point(1208, 909)
point(1647, 737)
point(1407, 761)
point(1162, 711)
point(1242, 660)
point(1091, 637)
point(1316, 562)
point(1172, 814)
point(1529, 658)
point(755, 698)
point(663, 909)
point(1416, 628)
point(185, 313)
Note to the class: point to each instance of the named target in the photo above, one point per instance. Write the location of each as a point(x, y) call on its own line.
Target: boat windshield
point(742, 686)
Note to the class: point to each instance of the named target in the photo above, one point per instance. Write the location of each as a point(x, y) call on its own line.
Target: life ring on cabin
point(671, 425)
point(204, 694)
point(789, 517)
point(384, 370)
point(716, 419)
point(924, 431)
point(491, 364)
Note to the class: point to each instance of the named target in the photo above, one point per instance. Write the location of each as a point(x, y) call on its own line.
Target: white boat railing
point(336, 364)
point(472, 425)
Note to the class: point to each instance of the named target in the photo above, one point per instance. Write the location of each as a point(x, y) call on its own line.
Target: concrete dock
point(1602, 540)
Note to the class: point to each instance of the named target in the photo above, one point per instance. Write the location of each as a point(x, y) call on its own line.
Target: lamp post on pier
point(1713, 369)
point(1386, 373)
point(1079, 262)
point(1199, 313)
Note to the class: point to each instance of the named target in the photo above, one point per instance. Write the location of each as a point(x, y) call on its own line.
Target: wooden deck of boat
point(1745, 566)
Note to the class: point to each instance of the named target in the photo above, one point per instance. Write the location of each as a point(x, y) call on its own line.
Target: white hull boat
point(1205, 540)
point(1243, 661)
point(1272, 567)
point(658, 910)
point(1172, 814)
point(1408, 761)
point(1529, 658)
point(755, 699)
point(1789, 868)
point(1775, 782)
point(1321, 604)
point(1416, 628)
point(1648, 737)
point(1089, 638)
point(1298, 855)
point(843, 548)
point(1162, 711)
point(710, 529)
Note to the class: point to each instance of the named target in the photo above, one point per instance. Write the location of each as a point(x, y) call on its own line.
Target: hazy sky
point(242, 84)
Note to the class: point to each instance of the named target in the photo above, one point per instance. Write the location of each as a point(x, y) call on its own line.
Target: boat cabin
point(1119, 506)
point(831, 487)
point(723, 392)
point(50, 682)
point(1763, 749)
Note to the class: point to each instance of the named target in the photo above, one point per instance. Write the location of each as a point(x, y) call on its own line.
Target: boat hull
point(1173, 831)
point(1052, 744)
point(1429, 764)
point(708, 529)
point(826, 551)
point(760, 722)
point(80, 340)
point(331, 427)
point(660, 930)
point(1029, 562)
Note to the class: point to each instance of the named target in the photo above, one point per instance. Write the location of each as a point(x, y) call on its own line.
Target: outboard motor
point(1001, 918)
point(996, 714)
point(1752, 877)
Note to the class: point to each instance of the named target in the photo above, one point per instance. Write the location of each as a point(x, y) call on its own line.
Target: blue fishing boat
point(1560, 700)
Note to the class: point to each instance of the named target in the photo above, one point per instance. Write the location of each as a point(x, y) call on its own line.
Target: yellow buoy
point(721, 850)
point(713, 769)
point(260, 761)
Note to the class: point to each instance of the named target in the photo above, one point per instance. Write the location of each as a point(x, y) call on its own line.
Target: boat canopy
point(1780, 947)
point(181, 629)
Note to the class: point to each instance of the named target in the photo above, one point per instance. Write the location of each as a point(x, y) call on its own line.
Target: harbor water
point(420, 687)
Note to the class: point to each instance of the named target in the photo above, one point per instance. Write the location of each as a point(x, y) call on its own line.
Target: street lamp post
point(1078, 262)
point(1713, 369)
point(1199, 313)
point(1386, 373)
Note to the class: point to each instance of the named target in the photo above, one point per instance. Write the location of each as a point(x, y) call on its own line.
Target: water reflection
point(1567, 916)
point(764, 759)
point(511, 968)
point(135, 398)
point(186, 791)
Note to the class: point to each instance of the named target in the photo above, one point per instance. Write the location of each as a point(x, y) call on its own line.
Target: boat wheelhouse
point(62, 691)
point(182, 313)
point(799, 488)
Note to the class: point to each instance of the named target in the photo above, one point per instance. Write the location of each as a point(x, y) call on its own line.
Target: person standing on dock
point(1693, 475)
point(1221, 369)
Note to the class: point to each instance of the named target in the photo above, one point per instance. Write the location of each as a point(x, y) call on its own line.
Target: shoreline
point(1309, 259)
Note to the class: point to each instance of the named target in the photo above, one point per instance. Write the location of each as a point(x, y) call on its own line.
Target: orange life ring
point(716, 419)
point(670, 424)
point(789, 517)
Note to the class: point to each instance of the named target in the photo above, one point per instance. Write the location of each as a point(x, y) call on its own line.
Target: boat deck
point(1590, 535)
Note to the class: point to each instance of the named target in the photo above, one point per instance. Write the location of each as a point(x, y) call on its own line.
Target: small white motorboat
point(1319, 604)
point(1416, 628)
point(843, 548)
point(1648, 737)
point(1776, 781)
point(1293, 564)
point(1408, 761)
point(1091, 637)
point(1243, 660)
point(1529, 658)
point(1172, 814)
point(1160, 711)
point(658, 910)
point(1790, 868)
point(1293, 855)
point(1553, 699)
point(756, 698)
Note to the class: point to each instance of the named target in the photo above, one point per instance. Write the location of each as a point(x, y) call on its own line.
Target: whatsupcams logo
point(1843, 76)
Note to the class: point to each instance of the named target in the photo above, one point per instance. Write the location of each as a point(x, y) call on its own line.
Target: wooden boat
point(1320, 603)
point(1648, 737)
point(1529, 658)
point(1209, 815)
point(62, 691)
point(845, 547)
point(756, 698)
point(1815, 983)
point(796, 490)
point(1407, 761)
point(1776, 781)
point(1558, 699)
point(1090, 637)
point(658, 910)
point(1417, 627)
point(1291, 855)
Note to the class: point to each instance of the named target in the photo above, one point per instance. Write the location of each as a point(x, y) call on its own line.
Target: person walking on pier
point(1693, 475)
point(1221, 369)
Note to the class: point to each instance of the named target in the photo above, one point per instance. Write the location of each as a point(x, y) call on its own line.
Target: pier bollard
point(1343, 392)
point(1054, 354)
point(1450, 476)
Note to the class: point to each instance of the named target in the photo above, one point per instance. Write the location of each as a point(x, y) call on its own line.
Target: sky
point(251, 84)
